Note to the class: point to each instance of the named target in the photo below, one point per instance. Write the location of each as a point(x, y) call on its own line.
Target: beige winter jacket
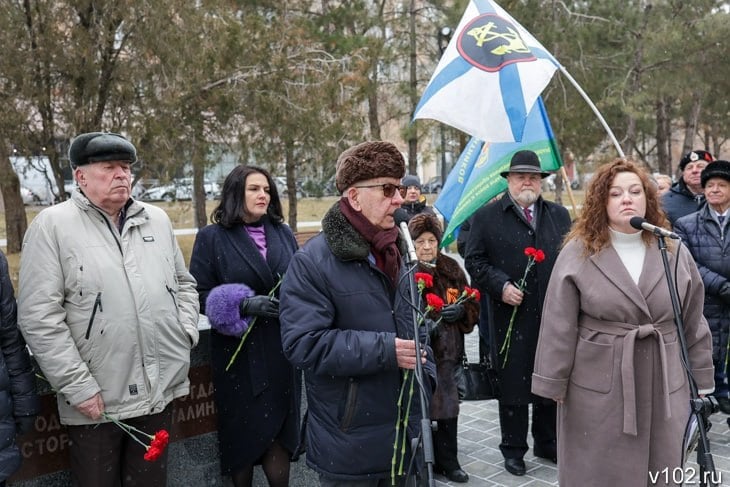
point(104, 312)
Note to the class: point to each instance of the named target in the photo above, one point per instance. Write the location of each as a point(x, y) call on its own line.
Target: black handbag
point(477, 382)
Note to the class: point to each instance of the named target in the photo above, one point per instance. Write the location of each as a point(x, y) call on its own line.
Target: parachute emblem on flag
point(490, 42)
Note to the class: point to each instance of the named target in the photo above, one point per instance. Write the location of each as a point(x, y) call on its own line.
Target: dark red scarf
point(382, 242)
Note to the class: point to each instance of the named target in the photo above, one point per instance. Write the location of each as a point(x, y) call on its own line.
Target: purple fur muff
point(222, 308)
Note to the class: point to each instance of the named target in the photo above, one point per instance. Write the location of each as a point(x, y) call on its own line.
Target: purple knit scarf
point(382, 242)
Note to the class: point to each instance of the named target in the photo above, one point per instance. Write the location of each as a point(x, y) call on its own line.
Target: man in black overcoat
point(495, 259)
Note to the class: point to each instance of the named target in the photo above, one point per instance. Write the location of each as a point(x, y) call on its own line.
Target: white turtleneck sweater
point(631, 249)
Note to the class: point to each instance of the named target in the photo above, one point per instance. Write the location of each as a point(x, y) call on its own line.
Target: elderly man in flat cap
point(110, 314)
point(345, 322)
point(496, 260)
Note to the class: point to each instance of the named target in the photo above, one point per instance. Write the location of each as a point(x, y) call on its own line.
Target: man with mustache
point(495, 258)
point(110, 313)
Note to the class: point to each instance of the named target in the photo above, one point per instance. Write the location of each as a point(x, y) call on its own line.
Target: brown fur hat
point(425, 222)
point(368, 160)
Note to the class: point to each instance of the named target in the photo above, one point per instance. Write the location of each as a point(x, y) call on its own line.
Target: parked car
point(281, 187)
point(548, 184)
point(29, 197)
point(180, 189)
point(433, 185)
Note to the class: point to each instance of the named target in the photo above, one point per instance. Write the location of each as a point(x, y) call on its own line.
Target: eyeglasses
point(388, 189)
point(432, 242)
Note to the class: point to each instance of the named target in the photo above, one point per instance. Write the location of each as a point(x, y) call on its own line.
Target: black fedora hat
point(525, 161)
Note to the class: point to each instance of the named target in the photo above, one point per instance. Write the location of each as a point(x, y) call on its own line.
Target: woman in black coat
point(19, 402)
point(238, 263)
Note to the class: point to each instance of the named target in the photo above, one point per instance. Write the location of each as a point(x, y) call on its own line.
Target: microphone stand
point(425, 440)
point(700, 407)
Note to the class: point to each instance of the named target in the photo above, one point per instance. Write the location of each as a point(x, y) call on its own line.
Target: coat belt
point(631, 333)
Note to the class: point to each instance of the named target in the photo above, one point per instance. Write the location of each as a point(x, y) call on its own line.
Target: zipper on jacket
point(349, 405)
point(97, 305)
point(171, 292)
point(105, 219)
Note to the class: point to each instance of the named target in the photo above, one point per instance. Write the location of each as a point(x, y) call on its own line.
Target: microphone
point(641, 224)
point(401, 219)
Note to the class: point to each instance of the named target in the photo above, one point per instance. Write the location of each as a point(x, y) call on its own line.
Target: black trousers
point(104, 455)
point(513, 421)
point(445, 444)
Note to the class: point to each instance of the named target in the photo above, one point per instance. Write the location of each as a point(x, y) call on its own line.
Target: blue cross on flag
point(489, 76)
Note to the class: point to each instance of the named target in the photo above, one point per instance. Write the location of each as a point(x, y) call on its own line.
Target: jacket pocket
point(172, 294)
point(348, 411)
point(676, 375)
point(593, 366)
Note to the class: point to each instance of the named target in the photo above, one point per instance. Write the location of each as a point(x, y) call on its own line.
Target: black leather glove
point(24, 424)
point(724, 293)
point(452, 312)
point(263, 306)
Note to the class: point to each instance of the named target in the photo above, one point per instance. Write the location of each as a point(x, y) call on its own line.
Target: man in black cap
point(110, 313)
point(345, 322)
point(686, 195)
point(705, 233)
point(496, 260)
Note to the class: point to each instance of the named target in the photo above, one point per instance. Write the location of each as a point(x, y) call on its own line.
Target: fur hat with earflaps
point(716, 169)
point(368, 160)
point(425, 222)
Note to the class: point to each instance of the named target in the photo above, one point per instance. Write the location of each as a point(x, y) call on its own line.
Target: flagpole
point(594, 108)
point(569, 189)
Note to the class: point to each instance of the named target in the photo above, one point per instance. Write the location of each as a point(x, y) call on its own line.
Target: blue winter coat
point(339, 317)
point(701, 234)
point(679, 201)
point(17, 381)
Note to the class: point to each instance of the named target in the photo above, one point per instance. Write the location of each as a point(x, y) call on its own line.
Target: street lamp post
point(444, 36)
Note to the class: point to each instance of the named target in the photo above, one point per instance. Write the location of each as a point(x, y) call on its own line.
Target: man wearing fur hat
point(345, 322)
point(496, 260)
point(415, 202)
point(705, 233)
point(110, 313)
point(686, 195)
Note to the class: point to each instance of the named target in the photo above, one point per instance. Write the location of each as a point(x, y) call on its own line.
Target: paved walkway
point(480, 456)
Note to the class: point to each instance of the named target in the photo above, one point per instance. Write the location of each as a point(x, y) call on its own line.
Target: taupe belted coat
point(608, 347)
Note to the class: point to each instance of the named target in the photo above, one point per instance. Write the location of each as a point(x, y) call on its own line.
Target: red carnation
point(423, 279)
point(534, 256)
point(473, 293)
point(161, 439)
point(153, 453)
point(434, 302)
